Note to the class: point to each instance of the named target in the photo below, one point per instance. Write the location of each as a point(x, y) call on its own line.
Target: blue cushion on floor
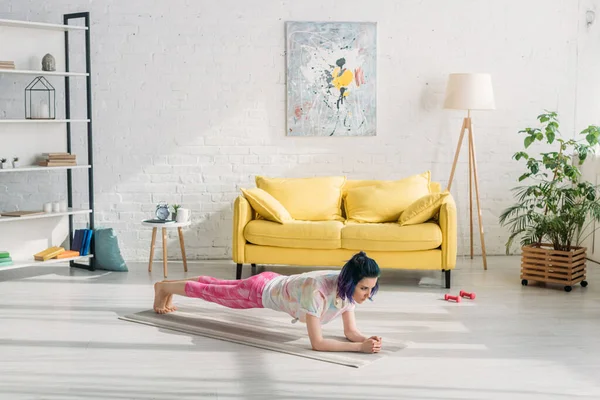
point(107, 253)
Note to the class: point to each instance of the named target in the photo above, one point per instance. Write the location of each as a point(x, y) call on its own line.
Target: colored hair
point(358, 267)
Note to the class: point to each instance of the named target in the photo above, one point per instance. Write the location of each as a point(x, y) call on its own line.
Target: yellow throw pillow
point(307, 199)
point(266, 205)
point(385, 201)
point(423, 209)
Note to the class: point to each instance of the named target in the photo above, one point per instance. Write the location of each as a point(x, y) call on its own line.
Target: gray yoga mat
point(261, 328)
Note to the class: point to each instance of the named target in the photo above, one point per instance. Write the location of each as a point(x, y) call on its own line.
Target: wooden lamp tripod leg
point(466, 126)
point(470, 192)
point(460, 139)
point(474, 160)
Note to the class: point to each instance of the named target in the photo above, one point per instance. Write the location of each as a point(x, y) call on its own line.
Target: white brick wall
point(189, 100)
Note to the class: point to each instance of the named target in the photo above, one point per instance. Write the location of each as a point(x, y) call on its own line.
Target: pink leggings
point(245, 293)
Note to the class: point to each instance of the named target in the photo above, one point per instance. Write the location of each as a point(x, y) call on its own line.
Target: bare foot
point(169, 305)
point(160, 299)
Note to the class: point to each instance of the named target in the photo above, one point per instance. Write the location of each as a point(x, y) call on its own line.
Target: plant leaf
point(520, 154)
point(528, 141)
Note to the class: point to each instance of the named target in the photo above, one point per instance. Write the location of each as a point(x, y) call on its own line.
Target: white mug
point(47, 207)
point(184, 215)
point(56, 207)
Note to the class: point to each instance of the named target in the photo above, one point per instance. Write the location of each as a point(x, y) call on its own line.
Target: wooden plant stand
point(544, 264)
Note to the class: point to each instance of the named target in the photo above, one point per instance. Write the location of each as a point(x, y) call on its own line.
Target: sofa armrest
point(449, 233)
point(242, 214)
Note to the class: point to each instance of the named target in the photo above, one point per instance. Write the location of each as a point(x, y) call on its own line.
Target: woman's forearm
point(355, 336)
point(334, 345)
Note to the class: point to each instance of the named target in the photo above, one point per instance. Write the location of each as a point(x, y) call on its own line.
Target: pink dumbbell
point(448, 297)
point(467, 295)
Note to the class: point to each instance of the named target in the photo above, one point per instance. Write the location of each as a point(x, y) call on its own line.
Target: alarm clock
point(162, 211)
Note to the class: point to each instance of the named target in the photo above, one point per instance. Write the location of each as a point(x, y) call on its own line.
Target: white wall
point(189, 100)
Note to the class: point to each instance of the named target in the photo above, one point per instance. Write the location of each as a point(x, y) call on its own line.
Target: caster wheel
point(568, 288)
point(584, 283)
point(524, 282)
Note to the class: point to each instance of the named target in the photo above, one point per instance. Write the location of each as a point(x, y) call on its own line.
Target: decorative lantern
point(40, 99)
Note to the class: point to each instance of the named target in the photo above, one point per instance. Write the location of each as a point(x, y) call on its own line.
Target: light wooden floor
point(60, 339)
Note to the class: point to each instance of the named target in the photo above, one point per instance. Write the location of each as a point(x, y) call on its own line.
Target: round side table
point(165, 226)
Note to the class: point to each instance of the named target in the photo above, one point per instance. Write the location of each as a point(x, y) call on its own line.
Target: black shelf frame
point(90, 153)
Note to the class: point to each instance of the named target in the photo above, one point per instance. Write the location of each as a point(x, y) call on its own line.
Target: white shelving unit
point(31, 263)
point(37, 168)
point(42, 121)
point(40, 73)
point(35, 124)
point(70, 211)
point(41, 25)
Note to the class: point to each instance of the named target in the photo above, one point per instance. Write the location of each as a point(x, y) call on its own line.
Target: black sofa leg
point(253, 269)
point(238, 273)
point(447, 273)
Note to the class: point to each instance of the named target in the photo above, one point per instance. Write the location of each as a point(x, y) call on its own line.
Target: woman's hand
point(377, 338)
point(370, 346)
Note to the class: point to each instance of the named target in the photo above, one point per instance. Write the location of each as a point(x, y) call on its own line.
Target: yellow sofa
point(333, 236)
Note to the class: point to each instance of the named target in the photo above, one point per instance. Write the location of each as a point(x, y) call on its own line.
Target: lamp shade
point(470, 92)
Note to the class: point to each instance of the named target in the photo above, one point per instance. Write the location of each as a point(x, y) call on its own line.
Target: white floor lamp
point(470, 92)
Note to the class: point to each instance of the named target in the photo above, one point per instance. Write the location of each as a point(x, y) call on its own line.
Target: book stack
point(55, 252)
point(20, 213)
point(58, 160)
point(82, 239)
point(67, 254)
point(5, 259)
point(7, 64)
point(49, 253)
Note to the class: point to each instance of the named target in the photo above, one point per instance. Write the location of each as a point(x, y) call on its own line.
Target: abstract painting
point(331, 78)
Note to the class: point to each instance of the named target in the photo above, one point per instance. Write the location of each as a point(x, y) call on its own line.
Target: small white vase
point(15, 164)
point(2, 165)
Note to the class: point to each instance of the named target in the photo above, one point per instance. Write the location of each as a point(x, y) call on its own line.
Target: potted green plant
point(556, 208)
point(175, 207)
point(2, 163)
point(15, 162)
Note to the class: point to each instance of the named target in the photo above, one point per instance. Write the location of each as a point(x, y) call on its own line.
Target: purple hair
point(358, 267)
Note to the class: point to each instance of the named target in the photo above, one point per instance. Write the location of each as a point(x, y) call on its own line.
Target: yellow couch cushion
point(423, 209)
point(266, 205)
point(355, 183)
point(385, 201)
point(424, 259)
point(391, 236)
point(435, 187)
point(308, 199)
point(295, 234)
